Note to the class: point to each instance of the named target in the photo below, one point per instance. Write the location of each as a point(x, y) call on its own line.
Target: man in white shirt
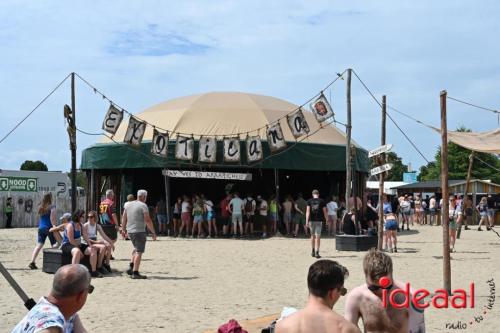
point(236, 210)
point(332, 208)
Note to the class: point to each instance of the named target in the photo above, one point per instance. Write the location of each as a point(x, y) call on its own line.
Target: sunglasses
point(91, 289)
point(372, 287)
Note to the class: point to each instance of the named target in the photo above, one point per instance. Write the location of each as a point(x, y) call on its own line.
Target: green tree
point(458, 164)
point(398, 168)
point(34, 166)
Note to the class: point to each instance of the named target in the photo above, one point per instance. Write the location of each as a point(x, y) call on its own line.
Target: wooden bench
point(54, 258)
point(355, 242)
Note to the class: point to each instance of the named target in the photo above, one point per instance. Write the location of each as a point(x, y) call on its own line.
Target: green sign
point(19, 184)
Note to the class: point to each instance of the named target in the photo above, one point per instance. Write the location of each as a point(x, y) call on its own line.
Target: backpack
point(249, 206)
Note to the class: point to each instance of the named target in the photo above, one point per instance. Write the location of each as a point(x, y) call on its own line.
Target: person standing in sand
point(325, 281)
point(135, 219)
point(316, 215)
point(365, 301)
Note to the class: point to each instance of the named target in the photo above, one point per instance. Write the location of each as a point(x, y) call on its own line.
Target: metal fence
point(25, 208)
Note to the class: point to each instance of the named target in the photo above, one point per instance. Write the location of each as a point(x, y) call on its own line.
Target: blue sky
point(143, 53)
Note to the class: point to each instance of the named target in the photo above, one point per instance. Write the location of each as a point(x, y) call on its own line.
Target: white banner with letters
point(321, 108)
point(207, 175)
point(298, 124)
point(112, 120)
point(184, 148)
point(207, 150)
point(275, 138)
point(232, 149)
point(159, 145)
point(254, 148)
point(135, 131)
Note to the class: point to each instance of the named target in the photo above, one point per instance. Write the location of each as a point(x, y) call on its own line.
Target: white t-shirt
point(236, 204)
point(209, 205)
point(332, 208)
point(263, 208)
point(185, 207)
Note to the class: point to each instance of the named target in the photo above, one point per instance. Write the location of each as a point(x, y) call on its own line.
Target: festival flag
point(135, 131)
point(232, 149)
point(207, 151)
point(298, 124)
point(112, 120)
point(184, 148)
point(254, 148)
point(321, 108)
point(275, 138)
point(159, 145)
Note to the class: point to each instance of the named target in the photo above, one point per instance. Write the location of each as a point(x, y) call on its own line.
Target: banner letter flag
point(135, 131)
point(184, 148)
point(275, 138)
point(232, 149)
point(112, 120)
point(207, 151)
point(298, 124)
point(321, 108)
point(159, 146)
point(254, 148)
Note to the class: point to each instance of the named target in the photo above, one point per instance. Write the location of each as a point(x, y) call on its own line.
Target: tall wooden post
point(444, 190)
point(348, 176)
point(381, 181)
point(73, 146)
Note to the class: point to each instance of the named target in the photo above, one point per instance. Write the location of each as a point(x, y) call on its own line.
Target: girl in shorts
point(197, 215)
point(72, 242)
point(390, 230)
point(176, 214)
point(185, 216)
point(482, 208)
point(210, 209)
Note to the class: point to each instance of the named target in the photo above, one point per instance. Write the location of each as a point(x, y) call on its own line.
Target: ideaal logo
point(461, 299)
point(490, 302)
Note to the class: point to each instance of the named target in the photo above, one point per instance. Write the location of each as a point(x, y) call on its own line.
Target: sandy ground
point(196, 285)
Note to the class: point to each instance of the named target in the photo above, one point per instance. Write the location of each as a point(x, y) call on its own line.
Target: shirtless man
point(326, 284)
point(365, 301)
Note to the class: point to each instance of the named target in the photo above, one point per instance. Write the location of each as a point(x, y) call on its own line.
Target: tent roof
point(226, 113)
point(486, 142)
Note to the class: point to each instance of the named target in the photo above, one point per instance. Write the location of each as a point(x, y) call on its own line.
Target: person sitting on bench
point(72, 243)
point(349, 222)
point(104, 247)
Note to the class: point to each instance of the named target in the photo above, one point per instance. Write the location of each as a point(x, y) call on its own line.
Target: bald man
point(57, 313)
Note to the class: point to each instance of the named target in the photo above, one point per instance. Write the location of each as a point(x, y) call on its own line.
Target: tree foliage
point(458, 164)
point(398, 168)
point(34, 166)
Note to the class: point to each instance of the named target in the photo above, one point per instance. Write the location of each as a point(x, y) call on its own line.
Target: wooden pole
point(381, 181)
point(73, 145)
point(444, 190)
point(348, 144)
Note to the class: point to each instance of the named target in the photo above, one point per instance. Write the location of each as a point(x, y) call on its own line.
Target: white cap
point(66, 216)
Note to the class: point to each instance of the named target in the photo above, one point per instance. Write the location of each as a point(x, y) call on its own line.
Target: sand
point(196, 285)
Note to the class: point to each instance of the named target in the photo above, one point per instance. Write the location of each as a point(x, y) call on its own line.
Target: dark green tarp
point(302, 156)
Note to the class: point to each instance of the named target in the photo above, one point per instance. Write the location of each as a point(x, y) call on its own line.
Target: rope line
point(388, 115)
point(32, 111)
point(97, 91)
point(491, 166)
point(473, 105)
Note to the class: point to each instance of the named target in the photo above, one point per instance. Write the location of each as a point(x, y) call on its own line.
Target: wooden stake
point(348, 176)
point(381, 181)
point(444, 190)
point(73, 146)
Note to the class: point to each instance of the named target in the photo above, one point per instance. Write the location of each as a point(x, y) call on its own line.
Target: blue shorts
point(162, 219)
point(43, 234)
point(197, 219)
point(491, 212)
point(210, 216)
point(391, 225)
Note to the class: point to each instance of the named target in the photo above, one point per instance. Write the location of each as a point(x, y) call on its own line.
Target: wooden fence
point(25, 208)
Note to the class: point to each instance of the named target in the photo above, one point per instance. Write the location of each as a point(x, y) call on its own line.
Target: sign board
point(410, 177)
point(380, 169)
point(380, 150)
point(207, 175)
point(18, 184)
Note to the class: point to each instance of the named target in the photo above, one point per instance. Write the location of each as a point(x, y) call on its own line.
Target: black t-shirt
point(316, 213)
